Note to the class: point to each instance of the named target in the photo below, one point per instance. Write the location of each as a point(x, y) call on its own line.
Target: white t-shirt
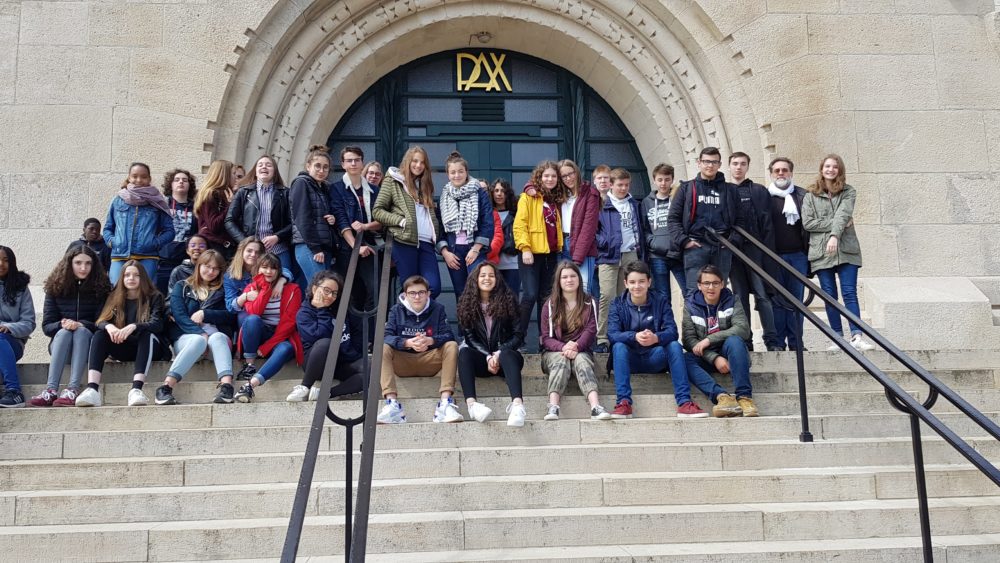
point(567, 214)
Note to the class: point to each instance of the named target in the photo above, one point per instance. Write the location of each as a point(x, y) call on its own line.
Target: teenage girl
point(311, 216)
point(467, 219)
point(138, 223)
point(241, 270)
point(211, 204)
point(17, 321)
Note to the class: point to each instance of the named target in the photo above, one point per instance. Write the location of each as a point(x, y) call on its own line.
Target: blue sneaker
point(391, 413)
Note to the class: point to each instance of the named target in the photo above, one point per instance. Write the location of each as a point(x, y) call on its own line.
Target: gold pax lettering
point(494, 72)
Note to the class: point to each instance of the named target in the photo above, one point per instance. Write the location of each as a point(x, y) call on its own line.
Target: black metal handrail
point(898, 398)
point(355, 536)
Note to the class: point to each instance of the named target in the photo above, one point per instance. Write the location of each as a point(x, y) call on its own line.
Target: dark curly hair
point(502, 305)
point(15, 281)
point(62, 278)
point(168, 183)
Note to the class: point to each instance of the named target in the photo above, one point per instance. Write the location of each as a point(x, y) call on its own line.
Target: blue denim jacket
point(132, 230)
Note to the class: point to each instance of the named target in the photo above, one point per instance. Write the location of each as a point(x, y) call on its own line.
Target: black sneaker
point(165, 395)
point(246, 372)
point(601, 349)
point(12, 399)
point(225, 394)
point(245, 394)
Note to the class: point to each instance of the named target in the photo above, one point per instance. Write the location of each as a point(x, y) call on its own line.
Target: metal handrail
point(898, 398)
point(354, 536)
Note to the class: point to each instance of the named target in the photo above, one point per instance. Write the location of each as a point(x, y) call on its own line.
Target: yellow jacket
point(529, 226)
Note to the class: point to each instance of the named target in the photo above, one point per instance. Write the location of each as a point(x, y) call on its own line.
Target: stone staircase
point(200, 481)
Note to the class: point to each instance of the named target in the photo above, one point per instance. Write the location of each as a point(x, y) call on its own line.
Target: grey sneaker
point(599, 413)
point(553, 413)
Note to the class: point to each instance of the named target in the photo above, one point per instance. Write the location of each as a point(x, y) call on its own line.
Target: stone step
point(132, 470)
point(444, 494)
point(506, 529)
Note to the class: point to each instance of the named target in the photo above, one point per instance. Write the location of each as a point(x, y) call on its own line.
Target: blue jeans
point(734, 350)
point(253, 333)
point(72, 346)
point(150, 264)
point(513, 279)
point(848, 274)
point(655, 359)
point(308, 266)
point(189, 348)
point(695, 258)
point(459, 276)
point(11, 351)
point(586, 268)
point(417, 260)
point(788, 323)
point(662, 268)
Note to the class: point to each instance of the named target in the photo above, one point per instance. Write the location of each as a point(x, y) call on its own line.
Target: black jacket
point(310, 202)
point(684, 209)
point(99, 247)
point(504, 336)
point(244, 210)
point(509, 247)
point(756, 212)
point(80, 306)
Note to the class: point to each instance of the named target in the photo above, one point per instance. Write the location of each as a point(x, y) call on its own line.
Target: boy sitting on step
point(418, 343)
point(715, 334)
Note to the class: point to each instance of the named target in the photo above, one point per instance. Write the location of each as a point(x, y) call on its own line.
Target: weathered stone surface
point(166, 82)
point(53, 23)
point(82, 138)
point(921, 141)
point(109, 22)
point(866, 6)
point(890, 82)
point(38, 250)
point(806, 140)
point(771, 41)
point(966, 65)
point(879, 251)
point(815, 89)
point(913, 198)
point(870, 34)
point(159, 139)
point(803, 6)
point(867, 207)
point(972, 198)
point(941, 250)
point(65, 74)
point(4, 200)
point(63, 195)
point(730, 16)
point(935, 7)
point(8, 63)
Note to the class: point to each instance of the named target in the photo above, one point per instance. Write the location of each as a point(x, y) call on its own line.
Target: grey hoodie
point(19, 318)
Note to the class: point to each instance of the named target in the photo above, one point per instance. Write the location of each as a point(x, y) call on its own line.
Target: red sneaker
point(45, 399)
point(66, 399)
point(690, 410)
point(622, 410)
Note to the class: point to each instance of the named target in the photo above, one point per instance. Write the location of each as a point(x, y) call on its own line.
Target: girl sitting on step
point(17, 322)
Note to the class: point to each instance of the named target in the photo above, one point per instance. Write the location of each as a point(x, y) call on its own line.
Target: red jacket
point(583, 226)
point(493, 257)
point(291, 300)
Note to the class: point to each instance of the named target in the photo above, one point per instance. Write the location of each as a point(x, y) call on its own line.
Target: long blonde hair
point(114, 307)
point(202, 289)
point(237, 268)
point(421, 189)
point(216, 185)
point(823, 185)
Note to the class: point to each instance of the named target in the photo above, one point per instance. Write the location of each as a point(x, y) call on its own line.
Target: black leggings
point(143, 349)
point(349, 374)
point(472, 364)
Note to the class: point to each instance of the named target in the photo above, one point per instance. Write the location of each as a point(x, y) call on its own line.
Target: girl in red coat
point(269, 328)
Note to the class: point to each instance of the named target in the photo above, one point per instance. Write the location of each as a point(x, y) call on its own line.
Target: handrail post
point(918, 465)
point(805, 435)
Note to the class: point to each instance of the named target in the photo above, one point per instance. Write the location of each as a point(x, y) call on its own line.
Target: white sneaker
point(832, 348)
point(479, 412)
point(391, 413)
point(860, 345)
point(136, 398)
point(446, 411)
point(299, 393)
point(517, 414)
point(89, 397)
point(313, 393)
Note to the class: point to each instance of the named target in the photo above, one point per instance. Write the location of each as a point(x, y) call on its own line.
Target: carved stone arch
point(303, 67)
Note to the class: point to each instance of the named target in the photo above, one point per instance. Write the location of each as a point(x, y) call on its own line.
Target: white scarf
point(460, 207)
point(790, 210)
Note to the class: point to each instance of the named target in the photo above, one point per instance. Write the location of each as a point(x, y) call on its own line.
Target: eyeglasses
point(197, 245)
point(327, 292)
point(212, 268)
point(415, 294)
point(352, 160)
point(568, 176)
point(710, 284)
point(711, 162)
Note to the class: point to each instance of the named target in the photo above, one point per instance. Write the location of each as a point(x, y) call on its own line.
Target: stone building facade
point(908, 91)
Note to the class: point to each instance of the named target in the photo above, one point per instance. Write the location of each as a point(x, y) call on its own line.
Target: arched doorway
point(504, 119)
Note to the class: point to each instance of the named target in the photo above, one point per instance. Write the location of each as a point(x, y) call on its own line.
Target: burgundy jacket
point(552, 336)
point(583, 230)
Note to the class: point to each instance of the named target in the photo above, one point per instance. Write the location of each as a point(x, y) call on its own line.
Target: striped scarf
point(460, 207)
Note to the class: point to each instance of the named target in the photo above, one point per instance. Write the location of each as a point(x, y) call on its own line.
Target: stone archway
point(304, 67)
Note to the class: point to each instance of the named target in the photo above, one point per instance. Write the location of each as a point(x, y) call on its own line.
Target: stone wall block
point(101, 189)
point(770, 41)
point(969, 7)
point(867, 206)
point(806, 140)
point(79, 135)
point(866, 6)
point(803, 6)
point(8, 62)
point(172, 83)
point(967, 67)
point(731, 15)
point(159, 139)
point(46, 201)
point(890, 82)
point(991, 120)
point(990, 241)
point(870, 34)
point(4, 199)
point(913, 198)
point(972, 198)
point(921, 141)
point(777, 97)
point(63, 74)
point(38, 251)
point(941, 250)
point(126, 25)
point(54, 23)
point(880, 254)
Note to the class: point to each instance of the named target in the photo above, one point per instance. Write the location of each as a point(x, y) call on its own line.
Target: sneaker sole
point(515, 425)
point(167, 402)
point(17, 406)
point(727, 414)
point(221, 401)
point(750, 414)
point(244, 399)
point(699, 415)
point(621, 416)
point(601, 417)
point(139, 404)
point(550, 417)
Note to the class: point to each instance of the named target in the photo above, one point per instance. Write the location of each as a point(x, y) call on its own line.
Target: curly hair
point(62, 278)
point(510, 200)
point(502, 303)
point(168, 183)
point(556, 195)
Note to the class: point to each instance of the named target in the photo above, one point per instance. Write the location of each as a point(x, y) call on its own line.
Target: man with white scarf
point(791, 242)
point(754, 204)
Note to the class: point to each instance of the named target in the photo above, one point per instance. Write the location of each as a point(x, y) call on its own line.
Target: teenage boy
point(92, 238)
point(662, 258)
point(755, 207)
point(715, 329)
point(418, 343)
point(602, 179)
point(705, 202)
point(644, 339)
point(351, 200)
point(620, 241)
point(791, 243)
